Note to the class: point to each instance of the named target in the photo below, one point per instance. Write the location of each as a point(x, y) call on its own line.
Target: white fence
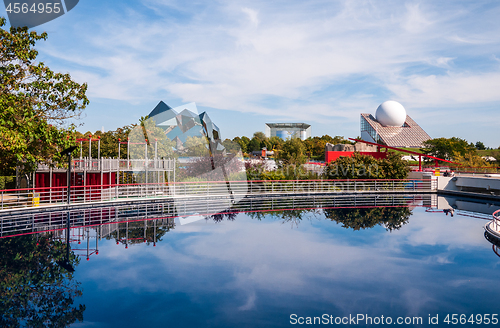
point(107, 217)
point(34, 197)
point(114, 164)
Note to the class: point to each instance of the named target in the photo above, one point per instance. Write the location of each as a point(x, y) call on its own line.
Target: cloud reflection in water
point(243, 272)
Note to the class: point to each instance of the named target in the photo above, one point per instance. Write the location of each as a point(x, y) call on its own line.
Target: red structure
point(83, 184)
point(88, 179)
point(334, 155)
point(420, 155)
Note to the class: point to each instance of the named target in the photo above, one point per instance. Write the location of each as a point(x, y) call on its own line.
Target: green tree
point(109, 142)
point(231, 146)
point(196, 146)
point(243, 142)
point(393, 167)
point(356, 167)
point(446, 148)
point(260, 135)
point(254, 145)
point(470, 159)
point(480, 146)
point(34, 103)
point(293, 151)
point(146, 132)
point(275, 143)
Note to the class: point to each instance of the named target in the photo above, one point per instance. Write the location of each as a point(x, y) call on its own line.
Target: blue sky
point(251, 62)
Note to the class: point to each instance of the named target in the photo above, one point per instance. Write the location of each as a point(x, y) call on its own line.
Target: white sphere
point(391, 113)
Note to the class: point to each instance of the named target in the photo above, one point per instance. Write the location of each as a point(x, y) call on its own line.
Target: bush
point(367, 167)
point(257, 170)
point(7, 182)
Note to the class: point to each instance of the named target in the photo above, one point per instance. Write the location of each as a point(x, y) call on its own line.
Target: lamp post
point(66, 263)
point(68, 152)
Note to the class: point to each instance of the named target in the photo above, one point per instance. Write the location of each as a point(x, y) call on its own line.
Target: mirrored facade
point(288, 130)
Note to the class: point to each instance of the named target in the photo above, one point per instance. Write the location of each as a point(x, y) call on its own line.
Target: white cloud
point(227, 55)
point(448, 90)
point(252, 16)
point(415, 20)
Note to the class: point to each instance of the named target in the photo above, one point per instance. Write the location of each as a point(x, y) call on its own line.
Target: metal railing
point(45, 196)
point(28, 223)
point(495, 224)
point(114, 164)
point(460, 169)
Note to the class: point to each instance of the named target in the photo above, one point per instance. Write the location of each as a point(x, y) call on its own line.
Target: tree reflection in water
point(35, 290)
point(392, 218)
point(138, 232)
point(229, 215)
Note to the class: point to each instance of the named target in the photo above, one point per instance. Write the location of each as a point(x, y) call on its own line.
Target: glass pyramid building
point(182, 122)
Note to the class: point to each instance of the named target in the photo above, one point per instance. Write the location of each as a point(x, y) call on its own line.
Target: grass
point(489, 152)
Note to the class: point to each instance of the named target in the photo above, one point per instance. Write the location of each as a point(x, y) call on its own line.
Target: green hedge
point(7, 182)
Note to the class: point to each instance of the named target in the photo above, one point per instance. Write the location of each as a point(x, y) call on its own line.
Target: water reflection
point(241, 268)
point(392, 218)
point(138, 232)
point(35, 290)
point(205, 207)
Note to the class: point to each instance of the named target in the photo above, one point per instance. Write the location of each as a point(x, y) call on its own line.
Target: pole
point(90, 148)
point(67, 236)
point(146, 160)
point(66, 263)
point(69, 179)
point(118, 167)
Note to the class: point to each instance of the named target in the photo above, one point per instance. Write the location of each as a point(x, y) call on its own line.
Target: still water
point(407, 262)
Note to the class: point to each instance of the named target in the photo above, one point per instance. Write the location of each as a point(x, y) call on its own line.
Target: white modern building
point(288, 130)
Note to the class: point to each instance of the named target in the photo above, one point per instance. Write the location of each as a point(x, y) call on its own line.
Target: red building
point(332, 152)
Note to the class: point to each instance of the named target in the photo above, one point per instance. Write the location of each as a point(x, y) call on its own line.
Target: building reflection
point(148, 223)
